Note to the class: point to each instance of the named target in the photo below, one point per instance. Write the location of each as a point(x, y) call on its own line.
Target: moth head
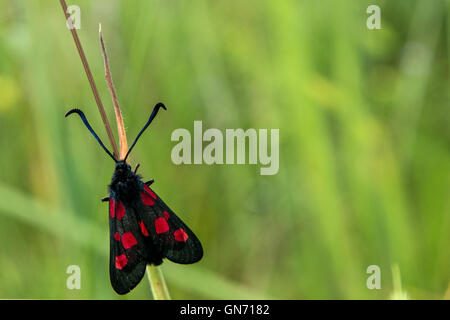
point(122, 165)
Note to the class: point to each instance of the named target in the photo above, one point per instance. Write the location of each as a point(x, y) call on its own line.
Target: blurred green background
point(364, 145)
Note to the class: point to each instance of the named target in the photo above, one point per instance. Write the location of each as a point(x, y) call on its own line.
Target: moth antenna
point(152, 116)
point(86, 123)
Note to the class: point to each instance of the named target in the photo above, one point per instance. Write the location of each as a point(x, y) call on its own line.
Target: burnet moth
point(143, 230)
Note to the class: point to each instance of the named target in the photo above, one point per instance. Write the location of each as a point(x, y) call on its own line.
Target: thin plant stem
point(91, 79)
point(154, 273)
point(157, 283)
point(123, 145)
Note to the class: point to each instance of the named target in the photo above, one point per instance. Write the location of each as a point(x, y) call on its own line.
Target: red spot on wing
point(180, 235)
point(146, 199)
point(161, 225)
point(120, 210)
point(117, 236)
point(128, 240)
point(166, 215)
point(121, 261)
point(112, 207)
point(150, 192)
point(143, 229)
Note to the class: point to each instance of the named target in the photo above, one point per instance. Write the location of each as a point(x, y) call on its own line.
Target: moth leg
point(149, 183)
point(105, 199)
point(137, 166)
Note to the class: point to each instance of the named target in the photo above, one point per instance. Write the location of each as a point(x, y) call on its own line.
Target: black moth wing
point(128, 250)
point(171, 236)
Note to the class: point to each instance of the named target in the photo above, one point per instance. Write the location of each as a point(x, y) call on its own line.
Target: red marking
point(128, 240)
point(112, 207)
point(166, 215)
point(121, 261)
point(180, 235)
point(146, 199)
point(117, 236)
point(120, 210)
point(161, 225)
point(150, 192)
point(143, 229)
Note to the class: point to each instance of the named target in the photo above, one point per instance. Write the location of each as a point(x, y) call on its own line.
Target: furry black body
point(125, 183)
